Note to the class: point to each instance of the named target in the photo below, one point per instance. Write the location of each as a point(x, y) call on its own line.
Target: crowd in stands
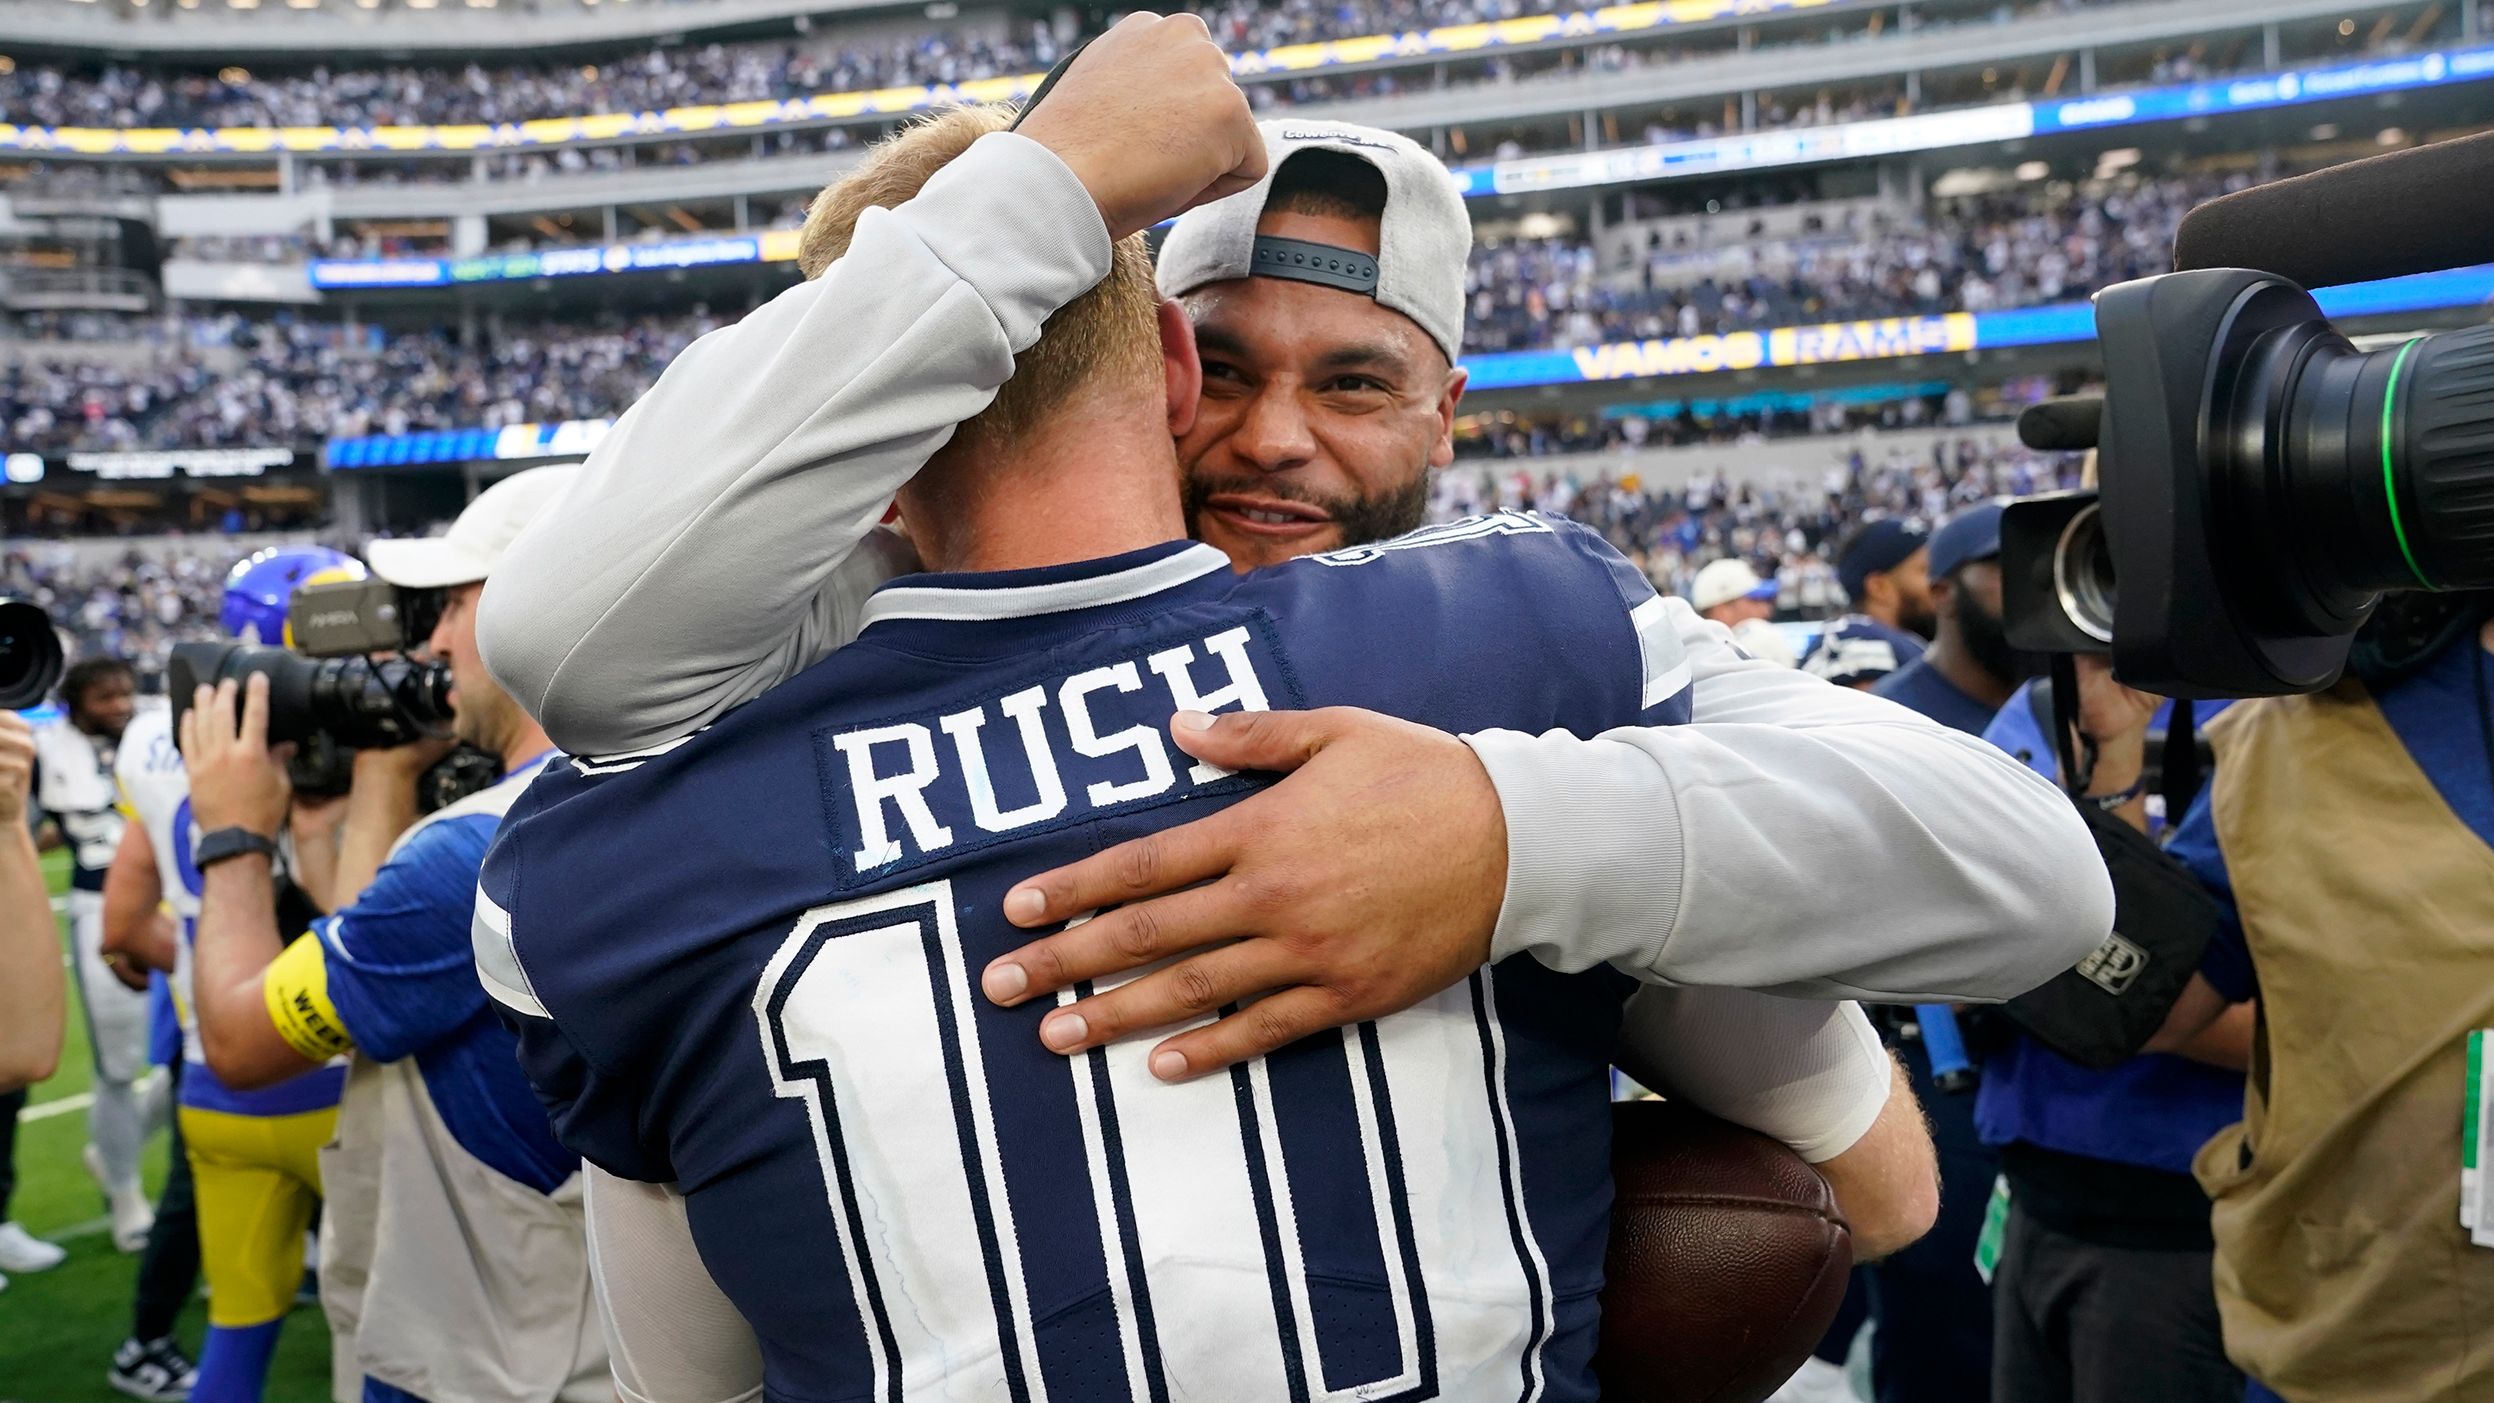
point(115, 95)
point(221, 382)
point(2035, 244)
point(405, 242)
point(139, 602)
point(1787, 529)
point(135, 605)
point(1686, 424)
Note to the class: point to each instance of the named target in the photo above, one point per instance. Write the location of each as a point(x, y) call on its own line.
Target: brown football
point(1727, 1260)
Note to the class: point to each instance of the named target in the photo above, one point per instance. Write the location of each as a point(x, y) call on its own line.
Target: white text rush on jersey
point(1103, 726)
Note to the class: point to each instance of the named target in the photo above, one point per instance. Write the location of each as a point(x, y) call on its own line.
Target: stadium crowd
point(135, 605)
point(220, 382)
point(2017, 248)
point(118, 95)
point(1786, 528)
point(138, 602)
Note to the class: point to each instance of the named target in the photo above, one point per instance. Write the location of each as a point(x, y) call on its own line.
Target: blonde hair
point(1106, 335)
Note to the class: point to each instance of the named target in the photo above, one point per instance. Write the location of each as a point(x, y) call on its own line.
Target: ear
point(1442, 452)
point(1181, 366)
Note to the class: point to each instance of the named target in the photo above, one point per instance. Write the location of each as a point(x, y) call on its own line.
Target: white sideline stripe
point(67, 1105)
point(92, 1227)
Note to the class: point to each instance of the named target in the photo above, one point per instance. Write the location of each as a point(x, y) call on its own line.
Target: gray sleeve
point(1807, 1072)
point(710, 547)
point(1796, 838)
point(671, 1334)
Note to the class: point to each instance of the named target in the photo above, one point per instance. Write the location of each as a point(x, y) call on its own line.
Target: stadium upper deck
point(1546, 77)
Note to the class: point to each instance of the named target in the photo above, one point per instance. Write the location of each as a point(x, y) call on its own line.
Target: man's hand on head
point(1365, 881)
point(1150, 121)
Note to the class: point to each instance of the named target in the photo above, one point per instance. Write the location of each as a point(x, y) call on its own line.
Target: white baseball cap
point(473, 546)
point(1423, 241)
point(1722, 582)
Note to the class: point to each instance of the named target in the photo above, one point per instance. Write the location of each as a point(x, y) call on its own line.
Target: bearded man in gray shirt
point(1797, 840)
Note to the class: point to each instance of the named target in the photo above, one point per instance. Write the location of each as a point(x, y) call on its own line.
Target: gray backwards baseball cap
point(1423, 242)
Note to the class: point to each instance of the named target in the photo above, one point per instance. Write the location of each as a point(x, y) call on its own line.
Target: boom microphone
point(2411, 211)
point(2068, 424)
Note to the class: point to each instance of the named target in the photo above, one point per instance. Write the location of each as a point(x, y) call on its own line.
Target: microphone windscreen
point(2411, 211)
point(2064, 425)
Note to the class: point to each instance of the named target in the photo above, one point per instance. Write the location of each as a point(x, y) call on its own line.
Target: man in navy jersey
point(897, 1190)
point(1885, 568)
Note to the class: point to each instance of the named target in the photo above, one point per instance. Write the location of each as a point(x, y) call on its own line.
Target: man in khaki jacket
point(2351, 834)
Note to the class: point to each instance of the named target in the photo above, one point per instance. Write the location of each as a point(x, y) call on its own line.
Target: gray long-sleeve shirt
point(1798, 838)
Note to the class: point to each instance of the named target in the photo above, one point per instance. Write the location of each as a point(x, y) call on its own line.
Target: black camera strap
point(2065, 724)
point(2182, 775)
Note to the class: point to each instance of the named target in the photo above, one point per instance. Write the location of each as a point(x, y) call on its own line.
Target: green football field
point(58, 1328)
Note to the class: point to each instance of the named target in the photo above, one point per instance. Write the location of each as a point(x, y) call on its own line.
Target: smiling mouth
point(1269, 514)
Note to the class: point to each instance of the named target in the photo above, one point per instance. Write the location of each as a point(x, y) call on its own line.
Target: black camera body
point(2263, 484)
point(2056, 574)
point(348, 683)
point(31, 658)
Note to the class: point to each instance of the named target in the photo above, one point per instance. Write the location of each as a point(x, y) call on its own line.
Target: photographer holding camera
point(2350, 837)
point(454, 1214)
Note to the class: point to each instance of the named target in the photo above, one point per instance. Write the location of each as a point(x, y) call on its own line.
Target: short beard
point(1361, 520)
point(1986, 640)
point(1923, 622)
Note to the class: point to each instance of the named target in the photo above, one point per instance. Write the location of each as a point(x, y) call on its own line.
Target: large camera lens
point(30, 655)
point(359, 703)
point(2266, 481)
point(2375, 469)
point(2082, 574)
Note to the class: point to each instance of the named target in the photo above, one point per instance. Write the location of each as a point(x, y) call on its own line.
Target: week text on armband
point(1057, 750)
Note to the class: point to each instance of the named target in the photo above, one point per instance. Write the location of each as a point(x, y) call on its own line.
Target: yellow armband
point(297, 988)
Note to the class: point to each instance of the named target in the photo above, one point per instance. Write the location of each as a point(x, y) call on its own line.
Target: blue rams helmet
point(259, 587)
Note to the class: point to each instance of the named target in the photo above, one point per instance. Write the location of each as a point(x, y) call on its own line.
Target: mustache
point(1203, 487)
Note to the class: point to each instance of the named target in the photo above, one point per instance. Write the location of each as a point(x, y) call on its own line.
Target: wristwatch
point(230, 842)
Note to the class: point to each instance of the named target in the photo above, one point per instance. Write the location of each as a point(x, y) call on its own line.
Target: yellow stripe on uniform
point(297, 989)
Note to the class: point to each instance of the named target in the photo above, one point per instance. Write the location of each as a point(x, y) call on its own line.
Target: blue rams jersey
point(1858, 649)
point(747, 962)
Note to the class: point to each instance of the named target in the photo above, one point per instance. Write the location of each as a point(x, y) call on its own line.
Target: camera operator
point(2101, 1290)
point(32, 988)
point(453, 1215)
point(1885, 569)
point(2350, 836)
point(74, 791)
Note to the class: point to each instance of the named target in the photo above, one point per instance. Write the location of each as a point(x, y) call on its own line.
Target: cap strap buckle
point(1322, 264)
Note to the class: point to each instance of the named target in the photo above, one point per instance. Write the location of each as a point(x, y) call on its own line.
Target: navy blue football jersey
point(747, 962)
point(1858, 650)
